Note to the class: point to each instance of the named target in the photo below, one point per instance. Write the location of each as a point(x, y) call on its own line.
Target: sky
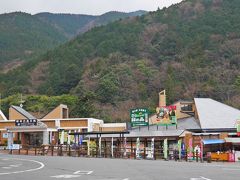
point(93, 7)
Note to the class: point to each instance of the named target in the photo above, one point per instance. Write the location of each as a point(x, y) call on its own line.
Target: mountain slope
point(23, 36)
point(190, 49)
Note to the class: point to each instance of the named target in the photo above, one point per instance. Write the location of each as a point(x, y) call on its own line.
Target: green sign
point(139, 117)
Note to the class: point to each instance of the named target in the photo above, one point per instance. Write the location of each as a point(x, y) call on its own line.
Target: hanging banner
point(180, 148)
point(190, 149)
point(201, 149)
point(69, 138)
point(139, 117)
point(88, 145)
point(112, 147)
point(152, 149)
point(165, 148)
point(100, 146)
point(125, 147)
point(138, 148)
point(61, 137)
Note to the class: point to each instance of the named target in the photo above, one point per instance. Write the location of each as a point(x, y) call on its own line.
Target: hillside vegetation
point(24, 36)
point(190, 49)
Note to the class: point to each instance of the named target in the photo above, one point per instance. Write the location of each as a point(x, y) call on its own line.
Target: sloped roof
point(2, 116)
point(23, 112)
point(213, 114)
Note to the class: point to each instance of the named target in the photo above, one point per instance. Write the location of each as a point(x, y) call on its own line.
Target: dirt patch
point(38, 76)
point(11, 65)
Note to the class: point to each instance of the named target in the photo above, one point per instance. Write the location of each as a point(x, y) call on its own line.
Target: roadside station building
point(201, 122)
point(53, 128)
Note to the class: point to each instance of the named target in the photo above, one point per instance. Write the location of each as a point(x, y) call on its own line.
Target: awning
point(233, 140)
point(213, 141)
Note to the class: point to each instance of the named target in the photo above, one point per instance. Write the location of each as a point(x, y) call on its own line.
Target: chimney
point(162, 98)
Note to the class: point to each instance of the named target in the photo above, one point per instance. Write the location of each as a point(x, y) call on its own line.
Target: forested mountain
point(190, 49)
point(23, 36)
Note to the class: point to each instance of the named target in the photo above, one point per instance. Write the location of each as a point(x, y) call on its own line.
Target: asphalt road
point(51, 168)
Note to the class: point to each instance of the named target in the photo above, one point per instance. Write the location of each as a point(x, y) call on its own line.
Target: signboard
point(5, 135)
point(166, 115)
point(26, 122)
point(139, 117)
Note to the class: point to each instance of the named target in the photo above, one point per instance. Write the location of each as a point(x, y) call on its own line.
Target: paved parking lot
point(51, 168)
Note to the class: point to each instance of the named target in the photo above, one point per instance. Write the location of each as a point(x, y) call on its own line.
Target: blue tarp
point(213, 141)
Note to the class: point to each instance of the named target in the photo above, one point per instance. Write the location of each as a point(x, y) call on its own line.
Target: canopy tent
point(213, 141)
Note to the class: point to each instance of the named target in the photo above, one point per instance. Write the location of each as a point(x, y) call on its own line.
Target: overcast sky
point(94, 7)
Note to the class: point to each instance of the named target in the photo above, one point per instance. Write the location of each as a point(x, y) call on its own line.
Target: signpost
point(139, 117)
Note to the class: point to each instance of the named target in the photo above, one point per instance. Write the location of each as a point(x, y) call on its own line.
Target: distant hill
point(23, 36)
point(190, 49)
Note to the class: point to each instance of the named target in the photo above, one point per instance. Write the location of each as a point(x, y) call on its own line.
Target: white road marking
point(6, 167)
point(66, 176)
point(231, 169)
point(201, 178)
point(83, 172)
point(126, 179)
point(15, 165)
point(23, 171)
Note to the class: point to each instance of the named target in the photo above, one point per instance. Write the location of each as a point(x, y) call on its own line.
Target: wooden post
point(105, 148)
point(134, 150)
point(131, 147)
point(69, 150)
point(52, 148)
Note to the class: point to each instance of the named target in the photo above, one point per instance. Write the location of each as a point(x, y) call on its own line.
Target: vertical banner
point(152, 149)
point(138, 148)
point(68, 138)
point(80, 140)
point(180, 148)
point(88, 145)
point(100, 146)
point(190, 149)
point(62, 138)
point(112, 147)
point(165, 148)
point(125, 147)
point(201, 149)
